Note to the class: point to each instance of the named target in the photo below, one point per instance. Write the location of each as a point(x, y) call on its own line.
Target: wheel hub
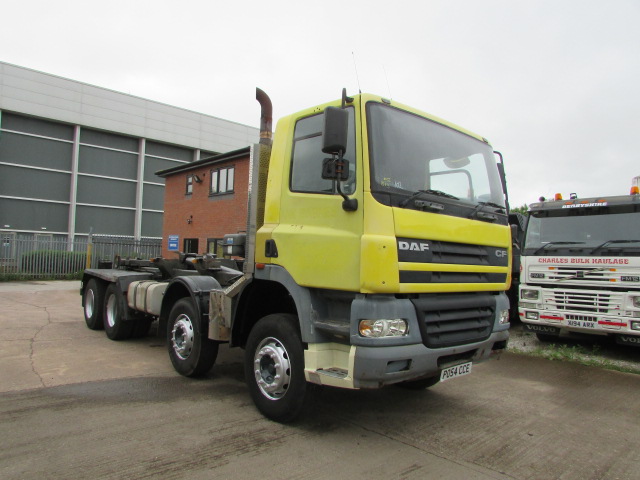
point(111, 311)
point(89, 302)
point(272, 369)
point(182, 337)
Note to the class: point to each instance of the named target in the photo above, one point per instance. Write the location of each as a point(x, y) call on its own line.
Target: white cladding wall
point(43, 95)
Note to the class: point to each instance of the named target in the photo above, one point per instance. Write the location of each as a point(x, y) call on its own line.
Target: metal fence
point(105, 249)
point(35, 257)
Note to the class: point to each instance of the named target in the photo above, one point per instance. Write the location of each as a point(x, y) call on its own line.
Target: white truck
point(580, 268)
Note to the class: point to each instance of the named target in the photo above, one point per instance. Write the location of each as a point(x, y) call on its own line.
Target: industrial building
point(77, 158)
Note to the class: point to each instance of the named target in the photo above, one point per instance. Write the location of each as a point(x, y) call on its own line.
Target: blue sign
point(173, 242)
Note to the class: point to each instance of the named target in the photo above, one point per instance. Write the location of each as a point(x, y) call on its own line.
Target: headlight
point(529, 294)
point(526, 305)
point(504, 317)
point(635, 326)
point(636, 301)
point(396, 327)
point(531, 315)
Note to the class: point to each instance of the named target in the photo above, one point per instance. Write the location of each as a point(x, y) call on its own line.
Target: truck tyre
point(92, 299)
point(114, 325)
point(192, 353)
point(420, 383)
point(274, 367)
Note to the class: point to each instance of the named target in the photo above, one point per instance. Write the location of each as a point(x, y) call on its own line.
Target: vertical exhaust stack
point(258, 176)
point(266, 114)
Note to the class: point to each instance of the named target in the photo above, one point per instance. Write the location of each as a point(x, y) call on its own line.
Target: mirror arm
point(348, 204)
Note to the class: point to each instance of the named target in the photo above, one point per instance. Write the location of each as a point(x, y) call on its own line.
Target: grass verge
point(577, 354)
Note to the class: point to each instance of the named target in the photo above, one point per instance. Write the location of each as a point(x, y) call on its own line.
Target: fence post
point(89, 248)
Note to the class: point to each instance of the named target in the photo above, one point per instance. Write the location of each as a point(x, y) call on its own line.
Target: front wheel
point(274, 367)
point(115, 326)
point(192, 353)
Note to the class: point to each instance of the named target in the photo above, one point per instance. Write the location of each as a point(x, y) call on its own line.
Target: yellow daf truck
point(377, 252)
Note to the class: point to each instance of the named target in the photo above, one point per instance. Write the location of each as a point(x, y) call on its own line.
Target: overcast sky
point(554, 85)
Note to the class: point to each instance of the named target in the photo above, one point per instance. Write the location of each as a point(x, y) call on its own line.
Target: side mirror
point(334, 138)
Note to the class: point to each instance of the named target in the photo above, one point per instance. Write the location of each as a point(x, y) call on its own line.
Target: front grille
point(582, 318)
point(447, 320)
point(459, 253)
point(413, 250)
point(591, 301)
point(581, 274)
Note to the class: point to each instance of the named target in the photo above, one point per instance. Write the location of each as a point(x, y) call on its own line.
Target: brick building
point(204, 200)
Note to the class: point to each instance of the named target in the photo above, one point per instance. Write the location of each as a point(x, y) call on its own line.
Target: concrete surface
point(77, 405)
point(46, 342)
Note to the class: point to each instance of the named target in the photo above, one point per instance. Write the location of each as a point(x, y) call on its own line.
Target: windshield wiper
point(415, 195)
point(481, 205)
point(602, 245)
point(554, 243)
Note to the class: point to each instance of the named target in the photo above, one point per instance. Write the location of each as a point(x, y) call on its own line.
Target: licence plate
point(455, 371)
point(581, 324)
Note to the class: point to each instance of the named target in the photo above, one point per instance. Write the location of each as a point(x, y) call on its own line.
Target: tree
point(524, 209)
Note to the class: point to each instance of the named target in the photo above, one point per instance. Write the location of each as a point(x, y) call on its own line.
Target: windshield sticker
point(388, 182)
point(580, 205)
point(592, 261)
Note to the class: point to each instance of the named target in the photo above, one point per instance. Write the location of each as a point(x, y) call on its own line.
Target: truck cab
point(581, 268)
point(410, 278)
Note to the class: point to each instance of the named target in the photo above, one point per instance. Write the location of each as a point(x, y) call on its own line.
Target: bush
point(53, 262)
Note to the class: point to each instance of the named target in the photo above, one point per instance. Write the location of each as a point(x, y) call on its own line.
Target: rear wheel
point(274, 367)
point(114, 325)
point(192, 353)
point(93, 298)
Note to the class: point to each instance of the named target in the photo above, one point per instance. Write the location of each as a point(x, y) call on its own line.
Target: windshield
point(410, 154)
point(601, 232)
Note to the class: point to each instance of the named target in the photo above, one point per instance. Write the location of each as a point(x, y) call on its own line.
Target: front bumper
point(374, 367)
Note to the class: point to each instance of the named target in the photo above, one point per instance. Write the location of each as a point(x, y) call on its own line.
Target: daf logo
point(413, 246)
point(501, 253)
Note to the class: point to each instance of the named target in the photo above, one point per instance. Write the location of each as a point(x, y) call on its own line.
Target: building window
point(214, 246)
point(221, 181)
point(190, 245)
point(189, 184)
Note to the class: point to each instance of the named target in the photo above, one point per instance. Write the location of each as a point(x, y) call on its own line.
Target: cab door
point(318, 242)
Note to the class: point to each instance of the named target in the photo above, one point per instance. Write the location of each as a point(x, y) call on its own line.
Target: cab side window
point(306, 167)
